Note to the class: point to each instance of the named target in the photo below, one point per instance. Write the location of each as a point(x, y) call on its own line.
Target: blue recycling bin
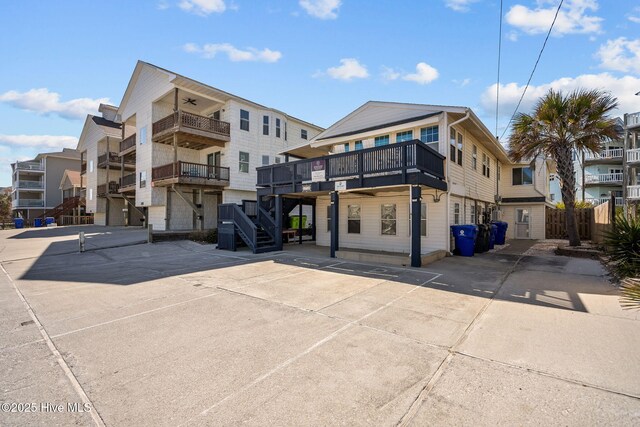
point(465, 237)
point(37, 222)
point(492, 236)
point(501, 232)
point(49, 220)
point(18, 222)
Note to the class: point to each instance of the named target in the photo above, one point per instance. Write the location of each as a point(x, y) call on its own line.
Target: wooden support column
point(201, 217)
point(416, 205)
point(278, 231)
point(175, 154)
point(335, 209)
point(313, 220)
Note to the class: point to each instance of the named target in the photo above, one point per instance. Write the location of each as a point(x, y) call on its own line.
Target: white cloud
point(459, 5)
point(47, 142)
point(622, 88)
point(463, 82)
point(348, 70)
point(323, 9)
point(512, 36)
point(635, 17)
point(210, 50)
point(424, 74)
point(203, 7)
point(42, 101)
point(162, 5)
point(620, 54)
point(390, 74)
point(572, 19)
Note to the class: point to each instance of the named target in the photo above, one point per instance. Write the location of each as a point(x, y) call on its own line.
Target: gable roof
point(66, 153)
point(72, 176)
point(106, 127)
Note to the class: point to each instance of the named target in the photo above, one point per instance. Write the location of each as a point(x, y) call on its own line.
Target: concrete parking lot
point(179, 333)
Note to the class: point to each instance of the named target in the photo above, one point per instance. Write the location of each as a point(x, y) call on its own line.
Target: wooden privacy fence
point(556, 225)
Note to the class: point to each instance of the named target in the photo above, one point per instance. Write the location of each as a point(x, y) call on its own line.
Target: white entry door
point(523, 224)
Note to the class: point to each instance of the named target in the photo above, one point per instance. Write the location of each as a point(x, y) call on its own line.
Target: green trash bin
point(295, 221)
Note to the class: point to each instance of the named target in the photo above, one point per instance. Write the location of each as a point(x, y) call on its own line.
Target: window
point(353, 219)
point(456, 213)
point(277, 128)
point(404, 136)
point(346, 147)
point(388, 219)
point(277, 159)
point(474, 158)
point(459, 148)
point(143, 179)
point(381, 140)
point(265, 160)
point(358, 145)
point(244, 120)
point(265, 125)
point(142, 135)
point(329, 218)
point(90, 165)
point(216, 115)
point(243, 165)
point(552, 196)
point(486, 165)
point(285, 131)
point(473, 219)
point(303, 133)
point(429, 134)
point(452, 143)
point(91, 194)
point(522, 176)
point(423, 219)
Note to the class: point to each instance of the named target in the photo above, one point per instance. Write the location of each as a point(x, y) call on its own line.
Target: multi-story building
point(394, 178)
point(632, 159)
point(36, 183)
point(183, 148)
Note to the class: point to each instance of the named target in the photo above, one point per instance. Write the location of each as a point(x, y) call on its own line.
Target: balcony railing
point(603, 178)
point(190, 170)
point(30, 166)
point(601, 200)
point(110, 157)
point(128, 180)
point(193, 121)
point(28, 203)
point(128, 142)
point(633, 155)
point(633, 120)
point(38, 185)
point(409, 156)
point(111, 188)
point(612, 153)
point(633, 192)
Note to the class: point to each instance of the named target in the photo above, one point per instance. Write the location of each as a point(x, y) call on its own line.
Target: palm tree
point(559, 126)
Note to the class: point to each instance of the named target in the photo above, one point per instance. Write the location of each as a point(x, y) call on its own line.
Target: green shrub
point(623, 243)
point(579, 204)
point(208, 236)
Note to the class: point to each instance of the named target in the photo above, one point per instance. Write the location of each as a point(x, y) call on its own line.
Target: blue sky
point(315, 59)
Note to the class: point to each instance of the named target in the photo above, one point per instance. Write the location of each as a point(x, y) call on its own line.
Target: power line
point(534, 69)
point(498, 77)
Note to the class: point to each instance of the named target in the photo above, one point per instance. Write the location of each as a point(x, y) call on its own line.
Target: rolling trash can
point(492, 236)
point(49, 220)
point(464, 236)
point(501, 232)
point(18, 222)
point(482, 239)
point(37, 222)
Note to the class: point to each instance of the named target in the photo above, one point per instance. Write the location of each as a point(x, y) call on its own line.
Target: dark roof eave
point(382, 126)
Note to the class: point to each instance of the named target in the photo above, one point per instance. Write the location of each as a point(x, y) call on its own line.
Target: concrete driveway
point(182, 334)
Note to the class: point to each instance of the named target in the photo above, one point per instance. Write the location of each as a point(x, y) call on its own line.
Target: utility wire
point(498, 77)
point(534, 69)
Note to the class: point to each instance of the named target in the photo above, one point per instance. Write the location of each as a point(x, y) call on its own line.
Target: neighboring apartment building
point(184, 147)
point(36, 183)
point(396, 176)
point(631, 189)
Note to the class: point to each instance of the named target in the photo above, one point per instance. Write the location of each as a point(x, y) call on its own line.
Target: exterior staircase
point(63, 208)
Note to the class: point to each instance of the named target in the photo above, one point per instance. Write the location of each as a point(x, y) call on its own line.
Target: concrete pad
point(596, 350)
point(163, 367)
point(479, 393)
point(360, 377)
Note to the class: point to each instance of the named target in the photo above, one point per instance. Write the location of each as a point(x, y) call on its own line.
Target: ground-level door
point(523, 223)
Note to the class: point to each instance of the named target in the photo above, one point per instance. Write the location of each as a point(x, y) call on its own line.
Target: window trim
point(456, 213)
point(358, 145)
point(245, 120)
point(452, 145)
point(243, 162)
point(356, 219)
point(304, 134)
point(379, 139)
point(142, 182)
point(424, 135)
point(394, 219)
point(521, 168)
point(404, 133)
point(346, 147)
point(474, 157)
point(277, 127)
point(265, 125)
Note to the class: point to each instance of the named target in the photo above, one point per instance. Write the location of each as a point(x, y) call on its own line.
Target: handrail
point(246, 228)
point(611, 153)
point(128, 180)
point(190, 170)
point(128, 142)
point(633, 155)
point(603, 177)
point(267, 222)
point(193, 121)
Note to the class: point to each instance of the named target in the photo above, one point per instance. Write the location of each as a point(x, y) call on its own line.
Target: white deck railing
point(633, 155)
point(633, 192)
point(601, 200)
point(603, 178)
point(612, 153)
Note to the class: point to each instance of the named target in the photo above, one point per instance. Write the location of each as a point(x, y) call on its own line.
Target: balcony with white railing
point(603, 178)
point(610, 154)
point(27, 203)
point(601, 200)
point(30, 166)
point(633, 192)
point(24, 184)
point(633, 120)
point(633, 155)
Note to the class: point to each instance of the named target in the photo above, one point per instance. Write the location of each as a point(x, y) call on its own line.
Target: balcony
point(603, 179)
point(105, 190)
point(190, 173)
point(410, 162)
point(128, 145)
point(633, 155)
point(633, 192)
point(633, 120)
point(127, 183)
point(30, 166)
point(601, 200)
point(29, 185)
point(191, 131)
point(113, 161)
point(613, 155)
point(27, 203)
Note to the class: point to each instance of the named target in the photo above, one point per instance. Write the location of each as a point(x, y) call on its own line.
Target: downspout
point(448, 155)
